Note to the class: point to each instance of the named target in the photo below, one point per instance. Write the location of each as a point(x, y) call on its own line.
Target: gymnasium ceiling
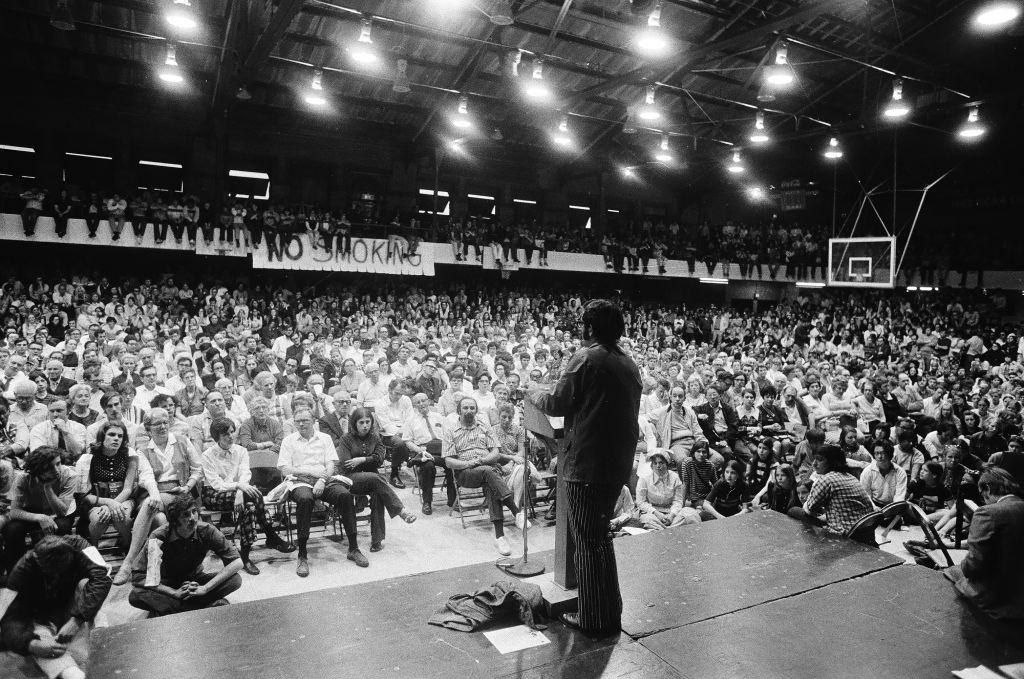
point(706, 86)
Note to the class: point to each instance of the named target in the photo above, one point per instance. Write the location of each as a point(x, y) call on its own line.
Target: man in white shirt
point(149, 390)
point(308, 460)
point(60, 432)
point(392, 412)
point(884, 481)
point(199, 425)
point(421, 436)
point(373, 387)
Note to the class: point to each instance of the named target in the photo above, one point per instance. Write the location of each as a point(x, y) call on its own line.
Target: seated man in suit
point(335, 424)
point(718, 421)
point(989, 577)
point(422, 437)
point(677, 427)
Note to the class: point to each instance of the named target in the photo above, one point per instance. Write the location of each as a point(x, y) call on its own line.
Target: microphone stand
point(523, 568)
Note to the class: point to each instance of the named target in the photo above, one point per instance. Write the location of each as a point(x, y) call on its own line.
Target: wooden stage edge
point(721, 599)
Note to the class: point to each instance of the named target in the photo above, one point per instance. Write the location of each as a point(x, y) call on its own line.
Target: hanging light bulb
point(897, 107)
point(170, 73)
point(180, 15)
point(759, 135)
point(736, 166)
point(649, 111)
point(461, 118)
point(502, 14)
point(62, 19)
point(765, 94)
point(780, 74)
point(313, 96)
point(561, 135)
point(362, 51)
point(630, 126)
point(401, 83)
point(833, 152)
point(243, 93)
point(535, 86)
point(652, 41)
point(972, 129)
point(513, 59)
point(663, 153)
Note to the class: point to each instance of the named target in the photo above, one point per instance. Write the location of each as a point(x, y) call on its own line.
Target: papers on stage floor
point(979, 672)
point(512, 639)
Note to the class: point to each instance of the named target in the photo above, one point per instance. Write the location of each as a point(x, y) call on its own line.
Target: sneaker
point(358, 558)
point(407, 516)
point(502, 545)
point(302, 570)
point(521, 519)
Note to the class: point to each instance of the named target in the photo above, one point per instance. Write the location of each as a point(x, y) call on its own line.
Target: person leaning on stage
point(836, 494)
point(180, 583)
point(308, 460)
point(990, 575)
point(598, 394)
point(471, 452)
point(48, 604)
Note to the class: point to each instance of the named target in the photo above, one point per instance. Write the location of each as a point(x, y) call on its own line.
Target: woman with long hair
point(780, 492)
point(108, 475)
point(360, 454)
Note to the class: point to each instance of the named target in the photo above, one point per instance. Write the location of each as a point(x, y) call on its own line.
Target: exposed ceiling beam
point(269, 37)
point(549, 46)
point(660, 71)
point(228, 64)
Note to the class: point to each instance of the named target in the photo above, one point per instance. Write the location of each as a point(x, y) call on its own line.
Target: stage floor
point(756, 595)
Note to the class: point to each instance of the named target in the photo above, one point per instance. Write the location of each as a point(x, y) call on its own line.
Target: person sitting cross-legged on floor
point(308, 460)
point(175, 581)
point(227, 487)
point(471, 451)
point(360, 454)
point(659, 495)
point(48, 604)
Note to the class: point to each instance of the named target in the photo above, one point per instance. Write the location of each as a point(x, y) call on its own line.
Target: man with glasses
point(59, 432)
point(335, 423)
point(373, 388)
point(422, 435)
point(199, 425)
point(149, 390)
point(308, 460)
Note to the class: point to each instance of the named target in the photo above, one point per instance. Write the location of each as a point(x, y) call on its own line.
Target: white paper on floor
point(979, 672)
point(512, 639)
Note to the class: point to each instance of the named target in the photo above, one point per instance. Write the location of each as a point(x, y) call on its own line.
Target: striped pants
point(245, 522)
point(589, 509)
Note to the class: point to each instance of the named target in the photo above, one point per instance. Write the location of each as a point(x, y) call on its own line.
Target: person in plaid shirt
point(836, 494)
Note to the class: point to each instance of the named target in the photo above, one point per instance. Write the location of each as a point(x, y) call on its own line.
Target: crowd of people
point(633, 246)
point(130, 405)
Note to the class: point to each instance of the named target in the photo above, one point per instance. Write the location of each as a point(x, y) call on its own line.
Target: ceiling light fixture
point(461, 119)
point(243, 93)
point(535, 86)
point(180, 15)
point(502, 14)
point(833, 152)
point(897, 107)
point(170, 73)
point(401, 82)
point(652, 40)
point(780, 73)
point(313, 97)
point(759, 135)
point(561, 135)
point(756, 193)
point(736, 166)
point(972, 128)
point(649, 111)
point(62, 18)
point(995, 15)
point(664, 154)
point(362, 51)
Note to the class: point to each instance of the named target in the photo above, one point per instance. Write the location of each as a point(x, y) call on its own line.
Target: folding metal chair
point(464, 501)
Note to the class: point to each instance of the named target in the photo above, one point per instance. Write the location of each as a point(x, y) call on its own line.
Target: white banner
point(367, 255)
